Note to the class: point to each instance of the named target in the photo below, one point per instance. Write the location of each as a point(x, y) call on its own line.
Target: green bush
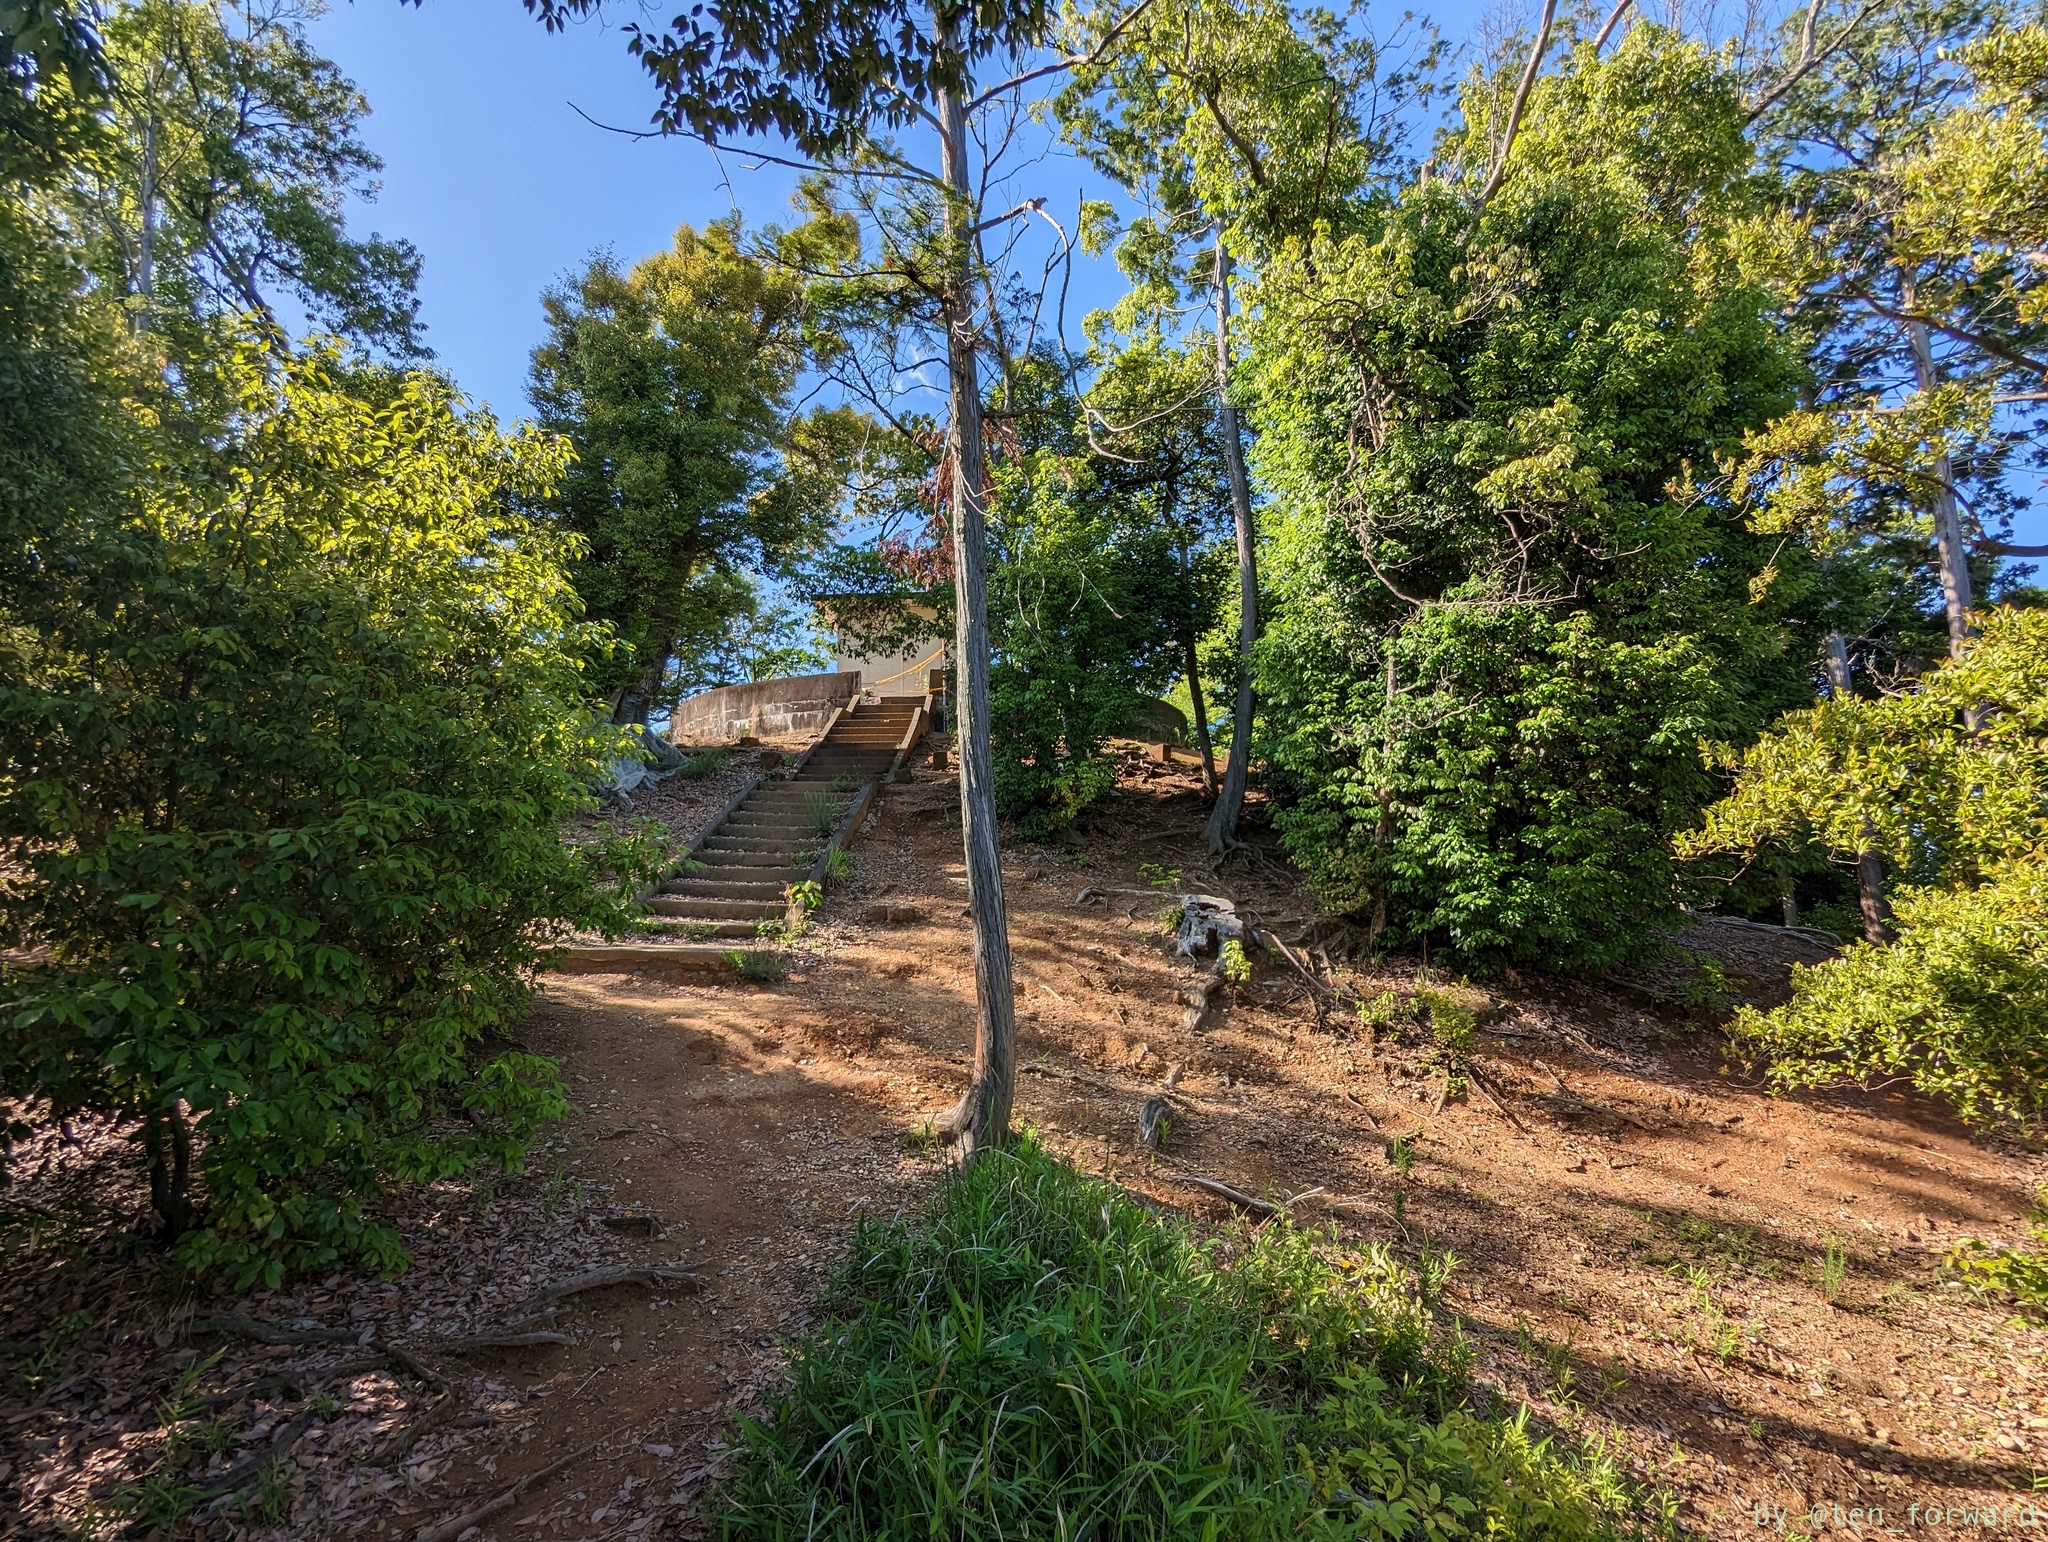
point(1034, 1356)
point(1948, 783)
point(285, 756)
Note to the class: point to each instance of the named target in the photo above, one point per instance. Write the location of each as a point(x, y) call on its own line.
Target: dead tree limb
point(456, 1525)
point(1225, 1191)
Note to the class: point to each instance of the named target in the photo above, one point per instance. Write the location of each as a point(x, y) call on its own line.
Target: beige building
point(905, 674)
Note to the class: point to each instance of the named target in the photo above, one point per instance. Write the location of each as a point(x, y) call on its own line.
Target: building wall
point(904, 675)
point(796, 704)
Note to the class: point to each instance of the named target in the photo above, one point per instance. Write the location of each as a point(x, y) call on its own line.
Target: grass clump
point(1035, 1357)
point(822, 810)
point(758, 964)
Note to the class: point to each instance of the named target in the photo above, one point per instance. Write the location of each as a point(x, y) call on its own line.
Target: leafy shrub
point(1234, 962)
point(2022, 1273)
point(286, 768)
point(1037, 1354)
point(1958, 1002)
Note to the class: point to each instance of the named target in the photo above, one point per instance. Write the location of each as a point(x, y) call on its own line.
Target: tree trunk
point(1221, 830)
point(637, 699)
point(167, 1139)
point(1956, 588)
point(1201, 710)
point(982, 1116)
point(1870, 896)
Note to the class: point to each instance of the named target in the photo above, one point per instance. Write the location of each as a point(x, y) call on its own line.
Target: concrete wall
point(798, 704)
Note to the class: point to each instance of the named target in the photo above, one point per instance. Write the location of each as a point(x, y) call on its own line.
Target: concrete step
point(797, 822)
point(706, 930)
point(756, 862)
point(762, 846)
point(721, 888)
point(694, 909)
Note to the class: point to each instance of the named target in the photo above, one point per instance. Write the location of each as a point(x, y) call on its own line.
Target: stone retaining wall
point(797, 704)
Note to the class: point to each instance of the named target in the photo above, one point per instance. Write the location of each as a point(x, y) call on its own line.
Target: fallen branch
point(1472, 1075)
point(455, 1526)
point(241, 1327)
point(1225, 1191)
point(598, 1279)
point(269, 1333)
point(503, 1340)
point(1362, 1109)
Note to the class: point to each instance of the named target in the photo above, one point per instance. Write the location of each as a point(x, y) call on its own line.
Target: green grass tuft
point(1036, 1357)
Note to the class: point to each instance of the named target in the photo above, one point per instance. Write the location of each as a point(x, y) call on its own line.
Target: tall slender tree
point(836, 85)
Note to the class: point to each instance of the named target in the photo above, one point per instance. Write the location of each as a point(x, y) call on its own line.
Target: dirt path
point(1642, 1236)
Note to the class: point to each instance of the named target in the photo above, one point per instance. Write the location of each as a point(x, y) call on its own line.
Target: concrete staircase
point(738, 875)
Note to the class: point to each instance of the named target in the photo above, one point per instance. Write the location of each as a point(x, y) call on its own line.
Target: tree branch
point(1613, 20)
point(1974, 339)
point(1536, 53)
point(1070, 62)
point(1808, 59)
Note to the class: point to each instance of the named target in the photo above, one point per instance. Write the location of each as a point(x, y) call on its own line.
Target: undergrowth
point(1035, 1356)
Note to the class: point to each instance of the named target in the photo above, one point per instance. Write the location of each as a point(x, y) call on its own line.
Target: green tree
point(1095, 593)
point(672, 383)
point(1237, 125)
point(838, 84)
point(289, 727)
point(1508, 605)
point(1913, 273)
point(218, 185)
point(1949, 782)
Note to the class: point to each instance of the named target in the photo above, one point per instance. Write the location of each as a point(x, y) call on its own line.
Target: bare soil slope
point(1643, 1237)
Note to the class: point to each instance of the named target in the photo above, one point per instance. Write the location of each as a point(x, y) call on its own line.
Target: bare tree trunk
point(982, 1116)
point(1956, 587)
point(145, 267)
point(1221, 830)
point(1201, 710)
point(167, 1139)
point(1870, 896)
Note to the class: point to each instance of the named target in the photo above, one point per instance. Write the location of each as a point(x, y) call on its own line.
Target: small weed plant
point(1235, 963)
point(822, 810)
point(1401, 1152)
point(704, 763)
point(758, 964)
point(839, 867)
point(1834, 1269)
point(1035, 1356)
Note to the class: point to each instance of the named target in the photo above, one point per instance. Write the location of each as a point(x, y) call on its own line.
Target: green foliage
point(2021, 1273)
point(1834, 1269)
point(1234, 963)
point(1095, 592)
point(671, 382)
point(238, 146)
point(290, 729)
point(1401, 1152)
point(1959, 1002)
point(823, 811)
point(1504, 610)
point(839, 866)
point(758, 964)
point(1034, 1352)
point(807, 892)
